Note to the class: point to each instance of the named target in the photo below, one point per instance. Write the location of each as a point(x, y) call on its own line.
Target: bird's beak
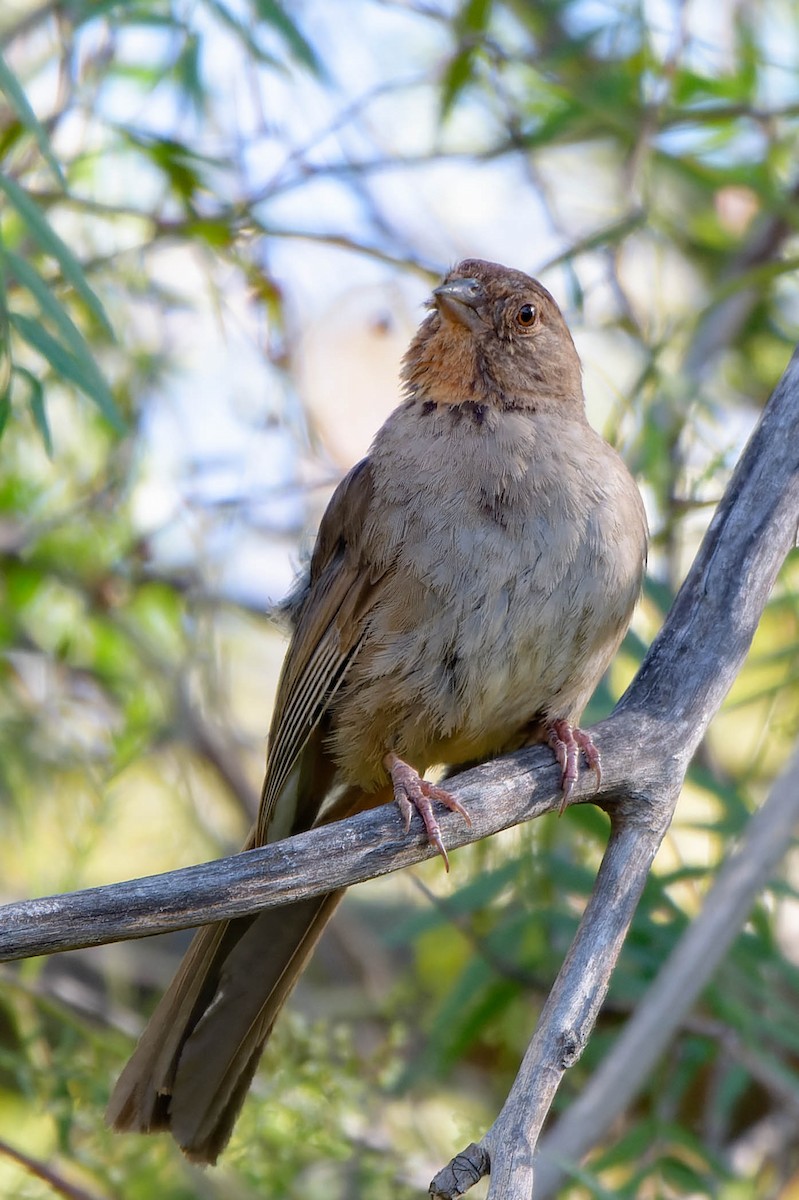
point(458, 301)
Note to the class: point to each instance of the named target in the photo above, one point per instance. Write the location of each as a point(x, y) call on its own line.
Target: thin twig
point(47, 1173)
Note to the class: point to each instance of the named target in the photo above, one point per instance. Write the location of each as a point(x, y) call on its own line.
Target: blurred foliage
point(654, 150)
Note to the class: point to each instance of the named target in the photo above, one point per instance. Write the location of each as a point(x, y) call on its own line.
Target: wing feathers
point(194, 1062)
point(331, 626)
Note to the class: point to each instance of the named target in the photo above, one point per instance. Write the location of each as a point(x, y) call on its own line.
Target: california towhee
point(471, 580)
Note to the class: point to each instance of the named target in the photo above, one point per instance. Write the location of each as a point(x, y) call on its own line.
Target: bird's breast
point(512, 572)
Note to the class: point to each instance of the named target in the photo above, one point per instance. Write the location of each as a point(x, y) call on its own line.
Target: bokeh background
point(219, 220)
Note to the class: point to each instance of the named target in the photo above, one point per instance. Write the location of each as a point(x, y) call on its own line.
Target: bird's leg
point(567, 742)
point(412, 792)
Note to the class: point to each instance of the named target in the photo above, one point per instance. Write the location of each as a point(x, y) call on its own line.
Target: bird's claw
point(412, 792)
point(567, 742)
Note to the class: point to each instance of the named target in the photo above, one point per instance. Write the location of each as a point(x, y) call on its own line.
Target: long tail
point(195, 1060)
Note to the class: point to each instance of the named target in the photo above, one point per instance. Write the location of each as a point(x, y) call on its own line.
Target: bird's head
point(494, 336)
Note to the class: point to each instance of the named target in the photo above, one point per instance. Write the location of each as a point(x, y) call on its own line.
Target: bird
point(471, 580)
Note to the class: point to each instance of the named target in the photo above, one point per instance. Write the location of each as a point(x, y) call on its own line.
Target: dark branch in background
point(213, 745)
point(47, 1173)
point(646, 745)
point(722, 322)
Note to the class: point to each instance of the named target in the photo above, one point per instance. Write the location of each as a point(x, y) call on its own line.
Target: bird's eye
point(526, 315)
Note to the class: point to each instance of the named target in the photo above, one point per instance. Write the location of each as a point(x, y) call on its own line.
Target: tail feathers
point(140, 1100)
point(195, 1060)
point(220, 1056)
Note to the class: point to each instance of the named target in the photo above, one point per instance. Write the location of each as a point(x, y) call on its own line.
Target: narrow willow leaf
point(239, 28)
point(19, 101)
point(51, 243)
point(69, 332)
point(40, 417)
point(5, 341)
point(475, 15)
point(471, 23)
point(38, 410)
point(274, 14)
point(459, 74)
point(64, 363)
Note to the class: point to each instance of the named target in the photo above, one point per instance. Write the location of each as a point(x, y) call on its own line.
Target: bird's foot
point(412, 792)
point(567, 742)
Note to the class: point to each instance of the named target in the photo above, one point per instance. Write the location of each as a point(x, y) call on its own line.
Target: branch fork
point(646, 746)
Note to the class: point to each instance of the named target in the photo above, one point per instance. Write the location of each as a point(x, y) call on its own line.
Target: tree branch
point(646, 745)
point(338, 855)
point(676, 987)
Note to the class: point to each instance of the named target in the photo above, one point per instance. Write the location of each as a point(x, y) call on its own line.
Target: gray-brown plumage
point(471, 581)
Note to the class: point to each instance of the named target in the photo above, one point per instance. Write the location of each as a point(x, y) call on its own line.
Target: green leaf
point(275, 15)
point(51, 243)
point(217, 233)
point(5, 343)
point(634, 1144)
point(589, 1180)
point(179, 166)
point(40, 415)
point(19, 101)
point(65, 363)
point(240, 29)
point(96, 386)
point(187, 73)
point(475, 998)
point(471, 24)
point(36, 403)
point(458, 75)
